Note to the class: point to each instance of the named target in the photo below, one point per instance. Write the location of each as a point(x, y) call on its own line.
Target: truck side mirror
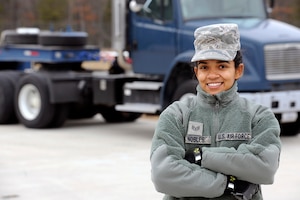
point(136, 5)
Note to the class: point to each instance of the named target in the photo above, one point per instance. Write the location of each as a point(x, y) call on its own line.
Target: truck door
point(153, 37)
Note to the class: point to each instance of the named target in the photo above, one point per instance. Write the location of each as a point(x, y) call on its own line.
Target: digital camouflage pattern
point(218, 42)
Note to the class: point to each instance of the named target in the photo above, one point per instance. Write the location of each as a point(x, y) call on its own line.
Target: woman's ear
point(239, 71)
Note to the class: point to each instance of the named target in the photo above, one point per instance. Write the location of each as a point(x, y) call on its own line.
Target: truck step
point(143, 85)
point(139, 108)
point(145, 92)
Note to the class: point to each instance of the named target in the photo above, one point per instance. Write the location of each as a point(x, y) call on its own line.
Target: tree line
point(92, 16)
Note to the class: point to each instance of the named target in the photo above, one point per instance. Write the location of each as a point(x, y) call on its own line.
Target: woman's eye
point(222, 67)
point(202, 67)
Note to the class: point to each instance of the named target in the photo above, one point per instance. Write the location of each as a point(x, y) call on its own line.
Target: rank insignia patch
point(194, 134)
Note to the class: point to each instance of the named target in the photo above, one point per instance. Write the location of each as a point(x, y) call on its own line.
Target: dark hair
point(237, 60)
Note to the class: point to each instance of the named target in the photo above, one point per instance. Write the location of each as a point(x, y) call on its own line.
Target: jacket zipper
point(216, 123)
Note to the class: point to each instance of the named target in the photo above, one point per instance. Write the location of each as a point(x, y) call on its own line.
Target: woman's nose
point(213, 74)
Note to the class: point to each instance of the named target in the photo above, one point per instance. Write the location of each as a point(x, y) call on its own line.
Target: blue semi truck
point(158, 35)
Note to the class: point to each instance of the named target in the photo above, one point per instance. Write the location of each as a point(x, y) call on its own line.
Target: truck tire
point(32, 104)
point(81, 111)
point(61, 112)
point(62, 38)
point(185, 90)
point(291, 129)
point(112, 116)
point(7, 111)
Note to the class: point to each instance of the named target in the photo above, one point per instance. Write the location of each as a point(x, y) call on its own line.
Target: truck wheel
point(185, 90)
point(290, 129)
point(62, 38)
point(112, 116)
point(7, 112)
point(32, 104)
point(61, 112)
point(81, 111)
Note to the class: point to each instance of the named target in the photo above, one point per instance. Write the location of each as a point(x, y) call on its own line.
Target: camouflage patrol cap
point(217, 42)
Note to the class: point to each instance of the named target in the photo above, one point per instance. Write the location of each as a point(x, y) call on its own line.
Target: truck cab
point(158, 34)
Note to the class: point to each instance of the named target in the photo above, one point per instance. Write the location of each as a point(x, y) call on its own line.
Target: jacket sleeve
point(171, 174)
point(256, 161)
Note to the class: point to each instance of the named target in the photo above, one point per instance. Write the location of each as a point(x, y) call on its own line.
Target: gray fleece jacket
point(237, 137)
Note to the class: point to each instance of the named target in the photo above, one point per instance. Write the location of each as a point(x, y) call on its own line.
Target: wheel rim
point(29, 102)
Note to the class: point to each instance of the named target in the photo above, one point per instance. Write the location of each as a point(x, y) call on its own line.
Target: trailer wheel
point(62, 38)
point(32, 104)
point(186, 90)
point(7, 112)
point(112, 116)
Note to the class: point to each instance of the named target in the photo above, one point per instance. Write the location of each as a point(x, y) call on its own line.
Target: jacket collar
point(223, 98)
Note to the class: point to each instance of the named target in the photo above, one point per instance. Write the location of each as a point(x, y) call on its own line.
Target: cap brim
point(225, 55)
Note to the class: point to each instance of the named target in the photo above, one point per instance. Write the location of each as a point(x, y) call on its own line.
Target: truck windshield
point(199, 9)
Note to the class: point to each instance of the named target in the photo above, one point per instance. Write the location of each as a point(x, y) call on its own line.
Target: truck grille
point(282, 61)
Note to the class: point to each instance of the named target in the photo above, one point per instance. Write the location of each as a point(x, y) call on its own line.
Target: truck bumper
point(285, 103)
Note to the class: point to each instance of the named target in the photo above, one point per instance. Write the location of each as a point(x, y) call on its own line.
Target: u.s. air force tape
point(233, 136)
